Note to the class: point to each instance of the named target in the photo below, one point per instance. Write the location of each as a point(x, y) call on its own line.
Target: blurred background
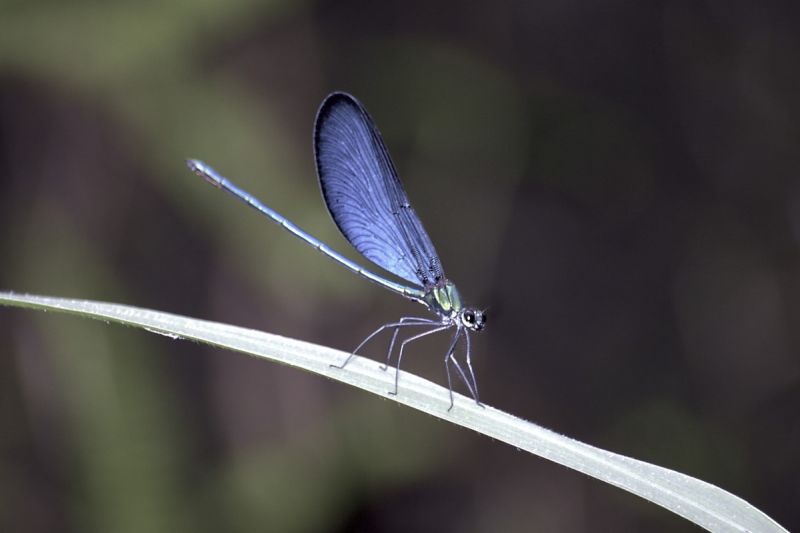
point(615, 181)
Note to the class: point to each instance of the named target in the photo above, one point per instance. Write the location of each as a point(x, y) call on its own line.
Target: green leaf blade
point(702, 503)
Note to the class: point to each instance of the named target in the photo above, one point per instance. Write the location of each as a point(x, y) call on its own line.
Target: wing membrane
point(364, 195)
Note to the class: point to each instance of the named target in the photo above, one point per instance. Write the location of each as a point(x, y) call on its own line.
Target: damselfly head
point(473, 319)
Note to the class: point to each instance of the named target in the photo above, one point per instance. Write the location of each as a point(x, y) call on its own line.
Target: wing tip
point(330, 102)
point(336, 96)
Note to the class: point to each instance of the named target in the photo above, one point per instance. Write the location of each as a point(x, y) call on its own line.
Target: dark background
point(616, 181)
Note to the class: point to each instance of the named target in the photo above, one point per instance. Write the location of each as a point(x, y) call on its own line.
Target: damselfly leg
point(403, 322)
point(471, 372)
point(403, 345)
point(410, 320)
point(450, 357)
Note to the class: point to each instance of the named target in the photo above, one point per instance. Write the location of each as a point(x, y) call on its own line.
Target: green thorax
point(443, 299)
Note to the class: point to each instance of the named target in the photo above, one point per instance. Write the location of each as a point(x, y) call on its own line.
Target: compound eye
point(469, 316)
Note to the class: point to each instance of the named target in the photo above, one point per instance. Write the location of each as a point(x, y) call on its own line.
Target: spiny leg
point(471, 372)
point(401, 323)
point(463, 375)
point(450, 357)
point(471, 386)
point(353, 353)
point(447, 364)
point(403, 345)
point(417, 321)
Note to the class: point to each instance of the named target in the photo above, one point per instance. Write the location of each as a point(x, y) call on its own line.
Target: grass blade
point(704, 504)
